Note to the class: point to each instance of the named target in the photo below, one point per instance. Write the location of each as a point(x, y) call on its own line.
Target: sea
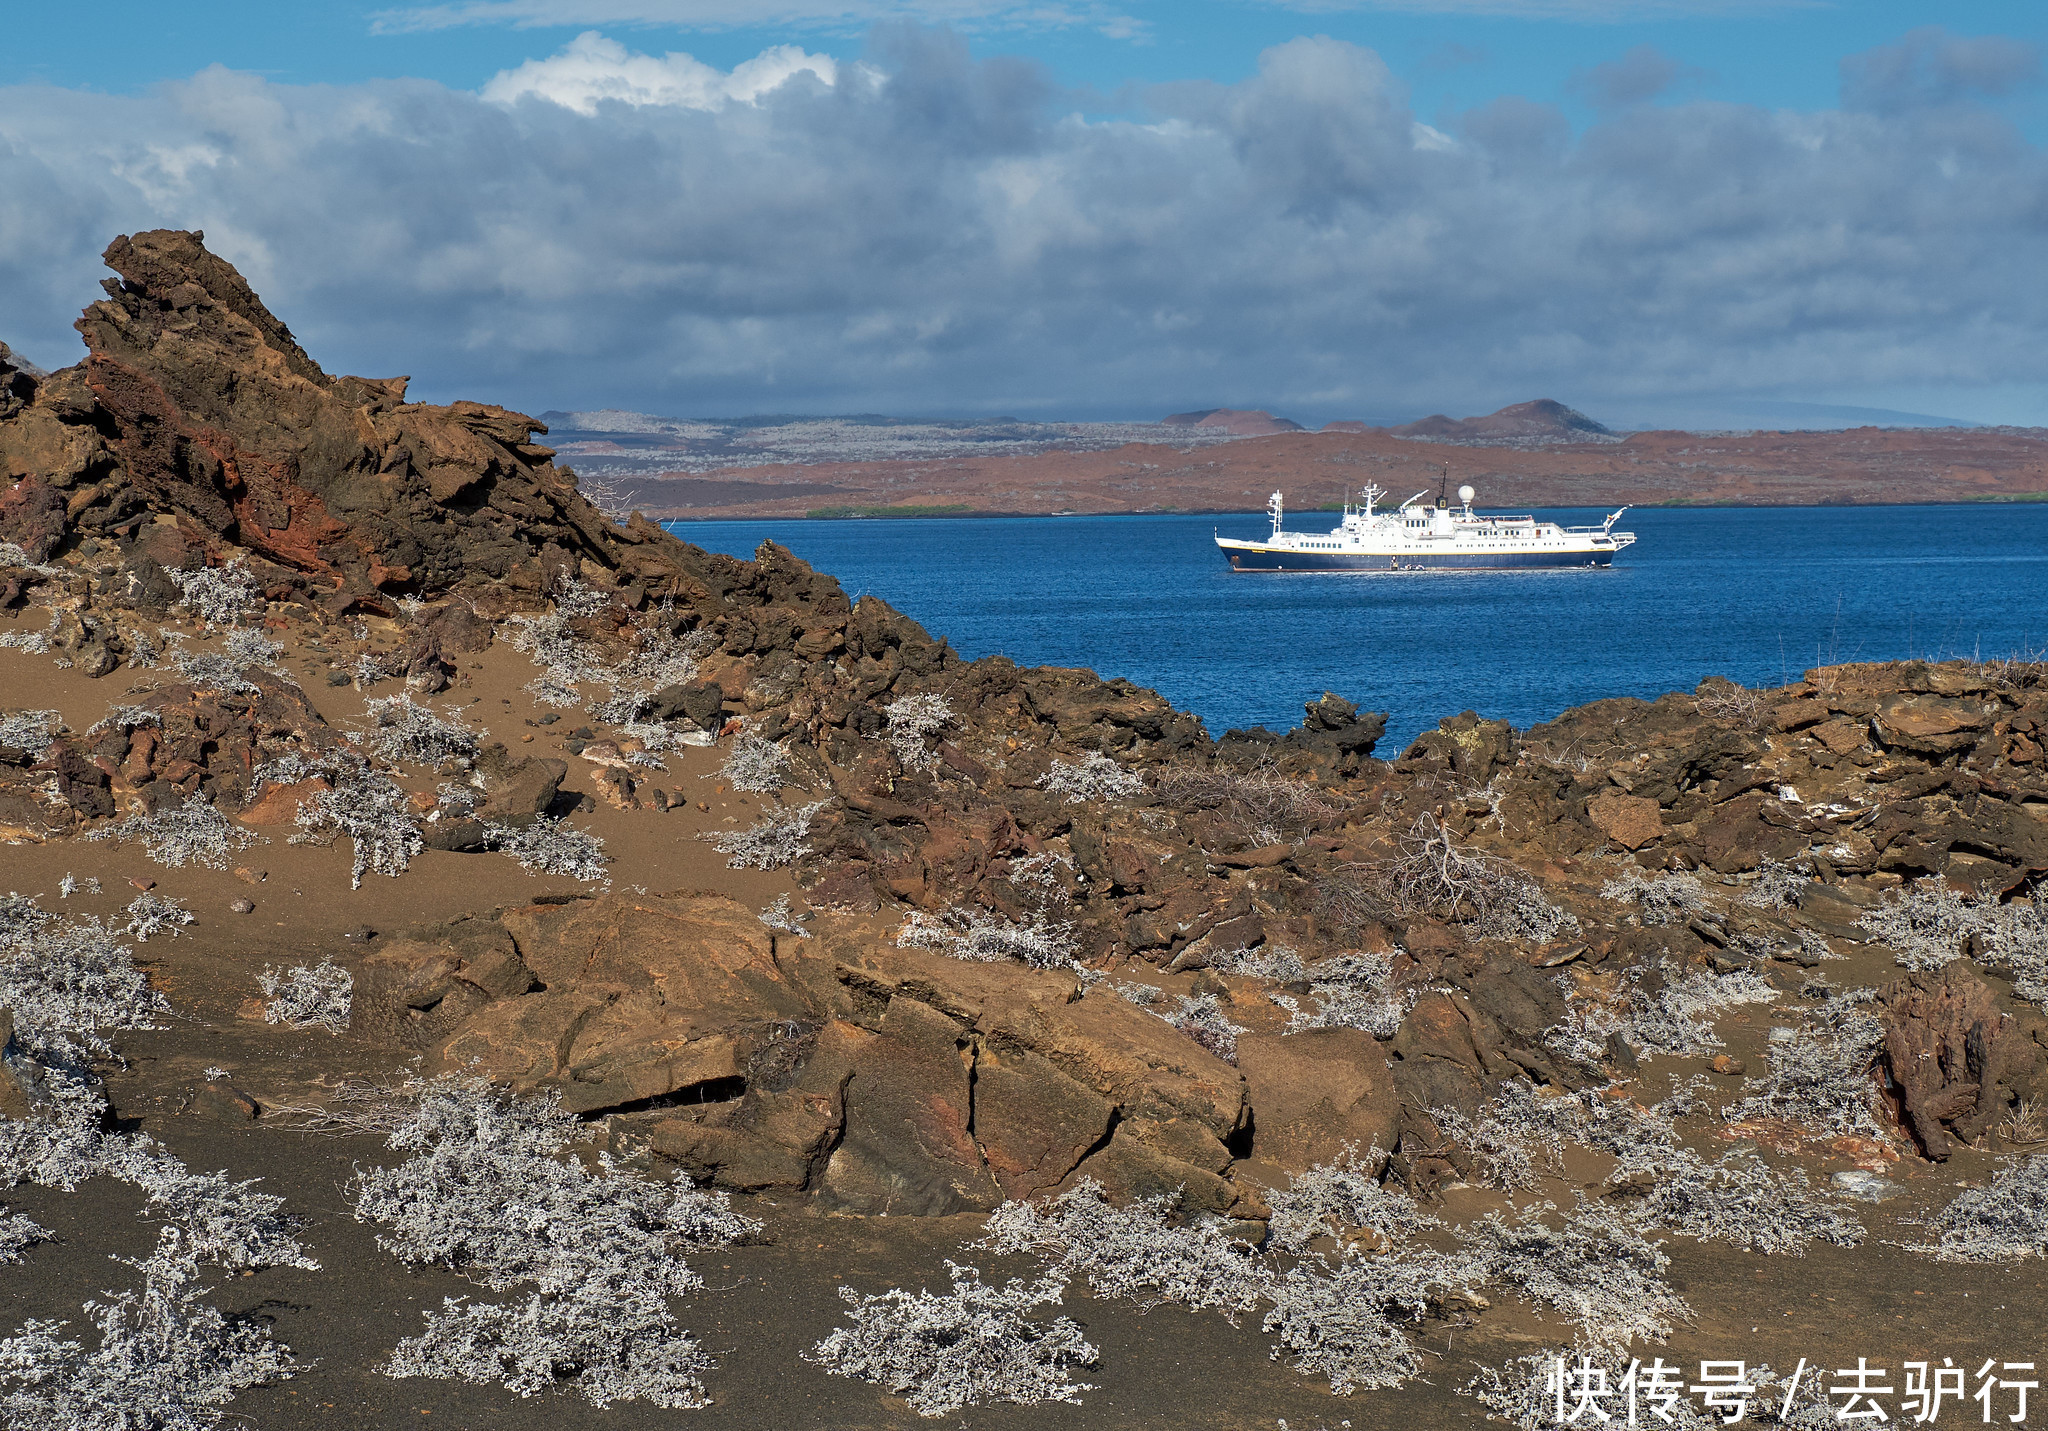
point(1756, 594)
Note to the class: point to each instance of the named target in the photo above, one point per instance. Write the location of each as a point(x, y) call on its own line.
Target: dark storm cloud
point(928, 232)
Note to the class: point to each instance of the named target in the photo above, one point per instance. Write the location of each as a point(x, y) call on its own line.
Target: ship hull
point(1252, 558)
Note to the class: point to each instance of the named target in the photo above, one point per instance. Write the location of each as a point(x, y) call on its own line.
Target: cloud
point(1583, 11)
point(757, 14)
point(1929, 67)
point(1639, 76)
point(946, 234)
point(593, 69)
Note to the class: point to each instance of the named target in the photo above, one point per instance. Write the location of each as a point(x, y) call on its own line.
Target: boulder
point(1952, 1058)
point(1628, 820)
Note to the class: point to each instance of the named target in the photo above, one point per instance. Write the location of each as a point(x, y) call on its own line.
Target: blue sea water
point(1755, 594)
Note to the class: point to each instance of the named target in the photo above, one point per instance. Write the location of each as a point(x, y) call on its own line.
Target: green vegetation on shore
point(952, 509)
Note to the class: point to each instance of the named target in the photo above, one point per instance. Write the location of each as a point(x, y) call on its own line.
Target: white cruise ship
point(1426, 538)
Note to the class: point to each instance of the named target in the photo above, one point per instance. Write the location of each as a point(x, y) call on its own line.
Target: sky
point(1663, 212)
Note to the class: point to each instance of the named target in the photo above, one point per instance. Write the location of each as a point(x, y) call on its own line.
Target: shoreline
point(911, 514)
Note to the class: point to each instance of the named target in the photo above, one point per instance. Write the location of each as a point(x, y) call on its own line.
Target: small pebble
point(1728, 1064)
point(243, 906)
point(526, 739)
point(337, 678)
point(145, 885)
point(249, 876)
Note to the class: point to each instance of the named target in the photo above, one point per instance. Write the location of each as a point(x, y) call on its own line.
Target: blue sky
point(1847, 210)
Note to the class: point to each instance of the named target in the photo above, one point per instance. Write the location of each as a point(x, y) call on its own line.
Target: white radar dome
point(1465, 495)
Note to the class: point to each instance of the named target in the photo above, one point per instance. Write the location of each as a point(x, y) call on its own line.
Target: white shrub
point(1676, 1019)
point(376, 815)
point(2002, 1223)
point(1777, 885)
point(1433, 874)
point(68, 983)
point(217, 595)
point(1338, 1320)
point(974, 1346)
point(154, 914)
point(1518, 1136)
point(757, 766)
point(550, 846)
point(194, 833)
point(1133, 1251)
point(777, 840)
point(911, 720)
point(1340, 1201)
point(32, 732)
point(1925, 924)
point(1094, 777)
point(1202, 1019)
point(1820, 1076)
point(18, 1233)
point(1595, 1268)
point(489, 1190)
point(779, 917)
point(1742, 1201)
point(402, 733)
point(165, 1358)
point(307, 997)
point(1351, 991)
point(983, 937)
point(1670, 898)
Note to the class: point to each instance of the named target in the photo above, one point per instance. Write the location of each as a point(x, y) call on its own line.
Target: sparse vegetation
point(1777, 885)
point(404, 733)
point(489, 1190)
point(1351, 991)
point(757, 766)
point(155, 914)
point(1093, 777)
point(1594, 1267)
point(551, 846)
point(1260, 803)
point(1339, 1201)
point(912, 720)
point(1202, 1019)
point(166, 1358)
point(217, 595)
point(308, 996)
point(977, 934)
point(376, 815)
point(1820, 1075)
point(2004, 1223)
point(194, 833)
point(1669, 898)
point(778, 839)
point(30, 732)
point(1134, 1251)
point(1433, 874)
point(1724, 700)
point(779, 917)
point(976, 1345)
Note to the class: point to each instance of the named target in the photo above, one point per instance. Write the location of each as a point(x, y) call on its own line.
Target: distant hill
point(1235, 421)
point(1540, 421)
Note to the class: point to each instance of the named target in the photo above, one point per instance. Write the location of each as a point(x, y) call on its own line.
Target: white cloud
point(1594, 11)
point(757, 14)
point(592, 69)
point(954, 239)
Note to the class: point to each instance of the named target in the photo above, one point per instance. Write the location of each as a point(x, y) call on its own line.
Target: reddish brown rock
point(1628, 820)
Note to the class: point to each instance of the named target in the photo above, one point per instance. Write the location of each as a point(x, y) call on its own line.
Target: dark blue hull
point(1241, 560)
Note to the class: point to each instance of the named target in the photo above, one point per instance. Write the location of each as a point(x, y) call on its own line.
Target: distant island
point(1537, 453)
